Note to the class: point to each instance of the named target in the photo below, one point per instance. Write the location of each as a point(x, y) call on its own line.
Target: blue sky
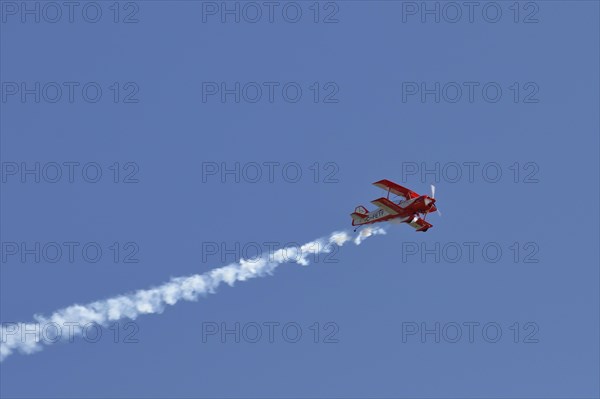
point(165, 129)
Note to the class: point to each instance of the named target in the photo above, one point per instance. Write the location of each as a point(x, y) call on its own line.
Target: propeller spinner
point(433, 198)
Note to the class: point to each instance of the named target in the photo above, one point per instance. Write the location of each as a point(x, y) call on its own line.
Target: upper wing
point(396, 189)
point(387, 206)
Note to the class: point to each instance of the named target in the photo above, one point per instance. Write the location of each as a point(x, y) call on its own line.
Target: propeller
point(433, 196)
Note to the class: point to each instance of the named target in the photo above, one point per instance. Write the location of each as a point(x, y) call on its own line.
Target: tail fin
point(360, 213)
point(361, 210)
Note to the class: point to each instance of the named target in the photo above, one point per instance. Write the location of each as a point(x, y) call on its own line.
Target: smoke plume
point(154, 300)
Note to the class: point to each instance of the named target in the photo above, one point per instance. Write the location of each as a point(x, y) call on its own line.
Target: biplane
point(409, 207)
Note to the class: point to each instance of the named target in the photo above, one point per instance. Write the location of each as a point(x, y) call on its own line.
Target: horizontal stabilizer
point(357, 218)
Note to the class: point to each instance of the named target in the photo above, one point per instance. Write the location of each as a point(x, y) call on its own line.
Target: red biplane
point(408, 209)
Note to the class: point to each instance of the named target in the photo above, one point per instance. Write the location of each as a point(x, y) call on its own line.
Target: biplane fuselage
point(407, 210)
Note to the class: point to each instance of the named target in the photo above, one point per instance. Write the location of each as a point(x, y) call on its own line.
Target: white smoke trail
point(154, 300)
